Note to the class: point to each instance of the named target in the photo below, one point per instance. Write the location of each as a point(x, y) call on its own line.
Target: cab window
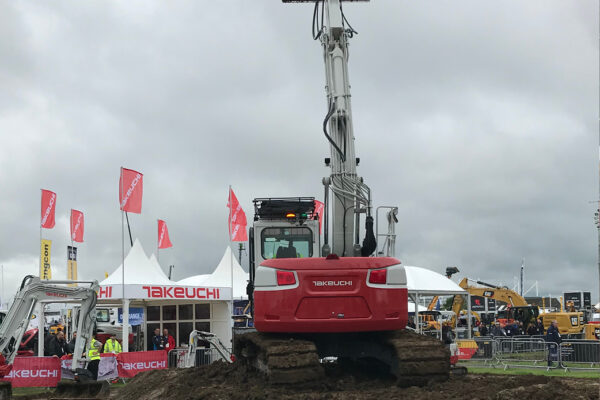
point(292, 242)
point(102, 315)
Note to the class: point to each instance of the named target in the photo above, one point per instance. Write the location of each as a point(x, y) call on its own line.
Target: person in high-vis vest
point(112, 345)
point(93, 355)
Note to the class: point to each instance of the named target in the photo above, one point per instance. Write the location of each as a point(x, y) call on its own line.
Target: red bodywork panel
point(343, 307)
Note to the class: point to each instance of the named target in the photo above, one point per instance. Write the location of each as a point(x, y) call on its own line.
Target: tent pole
point(470, 331)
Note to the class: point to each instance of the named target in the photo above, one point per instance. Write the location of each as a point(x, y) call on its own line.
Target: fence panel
point(522, 352)
point(580, 354)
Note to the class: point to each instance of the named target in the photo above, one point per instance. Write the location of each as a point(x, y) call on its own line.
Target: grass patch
point(519, 371)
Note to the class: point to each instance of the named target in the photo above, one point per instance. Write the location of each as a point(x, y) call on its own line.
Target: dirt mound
point(234, 381)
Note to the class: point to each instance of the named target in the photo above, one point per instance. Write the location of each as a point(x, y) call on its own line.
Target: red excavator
point(332, 301)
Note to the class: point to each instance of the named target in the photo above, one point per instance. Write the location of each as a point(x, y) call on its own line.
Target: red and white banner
point(319, 209)
point(34, 372)
point(76, 226)
point(237, 219)
point(131, 190)
point(48, 208)
point(163, 235)
point(131, 364)
point(165, 292)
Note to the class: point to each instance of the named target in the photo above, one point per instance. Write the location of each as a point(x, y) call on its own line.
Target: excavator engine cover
point(334, 294)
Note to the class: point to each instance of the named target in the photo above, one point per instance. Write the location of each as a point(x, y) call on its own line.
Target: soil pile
point(234, 381)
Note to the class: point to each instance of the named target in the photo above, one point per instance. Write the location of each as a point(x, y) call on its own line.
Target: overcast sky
point(479, 119)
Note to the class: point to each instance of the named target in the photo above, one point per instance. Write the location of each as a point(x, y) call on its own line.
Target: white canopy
point(195, 280)
point(139, 270)
point(427, 282)
point(221, 276)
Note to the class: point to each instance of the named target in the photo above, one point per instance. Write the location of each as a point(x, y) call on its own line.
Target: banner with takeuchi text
point(164, 292)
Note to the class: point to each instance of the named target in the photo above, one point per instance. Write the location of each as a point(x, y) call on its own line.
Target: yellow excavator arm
point(498, 293)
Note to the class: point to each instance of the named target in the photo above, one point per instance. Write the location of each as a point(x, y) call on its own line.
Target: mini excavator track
point(281, 358)
point(414, 360)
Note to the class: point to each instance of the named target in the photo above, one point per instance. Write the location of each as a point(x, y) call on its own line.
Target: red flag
point(237, 219)
point(131, 190)
point(48, 207)
point(163, 235)
point(319, 209)
point(76, 226)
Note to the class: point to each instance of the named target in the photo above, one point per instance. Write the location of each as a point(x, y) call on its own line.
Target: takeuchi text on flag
point(237, 219)
point(163, 235)
point(76, 226)
point(131, 190)
point(319, 208)
point(48, 208)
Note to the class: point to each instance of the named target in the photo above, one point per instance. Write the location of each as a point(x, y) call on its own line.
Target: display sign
point(136, 316)
point(72, 264)
point(587, 300)
point(165, 292)
point(131, 364)
point(477, 303)
point(491, 304)
point(45, 250)
point(34, 372)
point(575, 297)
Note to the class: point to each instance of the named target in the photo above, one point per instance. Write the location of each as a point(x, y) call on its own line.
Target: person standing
point(57, 346)
point(169, 341)
point(94, 356)
point(157, 340)
point(112, 345)
point(540, 327)
point(553, 338)
point(71, 344)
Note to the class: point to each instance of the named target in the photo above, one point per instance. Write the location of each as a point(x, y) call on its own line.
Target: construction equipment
point(34, 291)
point(310, 301)
point(196, 337)
point(518, 310)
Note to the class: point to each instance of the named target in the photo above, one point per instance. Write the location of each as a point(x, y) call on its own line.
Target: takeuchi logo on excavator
point(54, 294)
point(332, 283)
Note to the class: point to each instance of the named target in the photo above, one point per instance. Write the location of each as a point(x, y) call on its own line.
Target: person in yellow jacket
point(93, 355)
point(112, 345)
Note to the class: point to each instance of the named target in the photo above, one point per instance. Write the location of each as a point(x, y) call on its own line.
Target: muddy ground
point(234, 381)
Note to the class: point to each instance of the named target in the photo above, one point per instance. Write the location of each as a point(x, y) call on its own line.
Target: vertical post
point(417, 324)
point(469, 328)
point(157, 244)
point(521, 284)
point(230, 257)
point(40, 241)
point(125, 330)
point(41, 325)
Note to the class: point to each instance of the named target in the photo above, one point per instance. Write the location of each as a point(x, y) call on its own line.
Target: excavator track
point(419, 360)
point(283, 359)
point(413, 359)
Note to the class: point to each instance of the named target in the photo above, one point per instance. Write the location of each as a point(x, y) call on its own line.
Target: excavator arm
point(498, 293)
point(33, 291)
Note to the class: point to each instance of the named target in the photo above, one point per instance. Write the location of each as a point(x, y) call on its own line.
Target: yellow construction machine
point(569, 322)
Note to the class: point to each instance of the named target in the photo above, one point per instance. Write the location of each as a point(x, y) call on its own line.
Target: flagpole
point(157, 241)
point(122, 242)
point(230, 251)
point(40, 242)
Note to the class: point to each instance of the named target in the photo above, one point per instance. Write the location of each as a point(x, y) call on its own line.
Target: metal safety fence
point(178, 358)
point(533, 352)
point(580, 354)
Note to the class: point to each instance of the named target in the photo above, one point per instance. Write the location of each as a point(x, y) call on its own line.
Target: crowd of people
point(515, 329)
